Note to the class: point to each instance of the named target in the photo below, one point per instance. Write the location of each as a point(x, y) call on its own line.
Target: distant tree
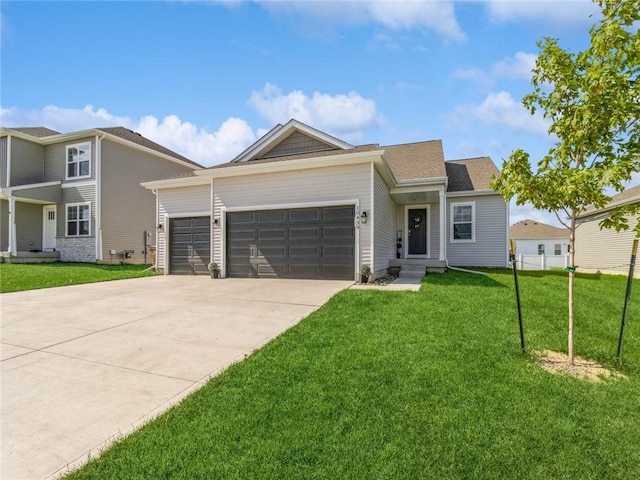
point(592, 99)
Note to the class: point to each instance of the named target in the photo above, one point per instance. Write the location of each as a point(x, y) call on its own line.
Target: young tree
point(592, 99)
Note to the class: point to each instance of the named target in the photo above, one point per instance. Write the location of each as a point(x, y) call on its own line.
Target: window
point(557, 249)
point(541, 249)
point(79, 160)
point(462, 226)
point(78, 219)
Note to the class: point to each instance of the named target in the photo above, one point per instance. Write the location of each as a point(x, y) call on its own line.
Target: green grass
point(17, 277)
point(403, 385)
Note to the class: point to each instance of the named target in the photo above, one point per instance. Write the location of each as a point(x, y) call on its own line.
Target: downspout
point(99, 196)
point(8, 181)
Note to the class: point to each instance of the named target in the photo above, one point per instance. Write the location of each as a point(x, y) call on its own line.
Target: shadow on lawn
point(453, 277)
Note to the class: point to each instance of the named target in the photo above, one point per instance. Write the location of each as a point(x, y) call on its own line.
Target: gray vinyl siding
point(4, 154)
point(604, 250)
point(128, 209)
point(81, 194)
point(50, 193)
point(27, 162)
point(55, 161)
point(28, 226)
point(179, 202)
point(490, 246)
point(297, 142)
point(339, 185)
point(384, 221)
point(4, 225)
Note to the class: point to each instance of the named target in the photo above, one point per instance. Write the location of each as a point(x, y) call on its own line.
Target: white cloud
point(501, 110)
point(339, 114)
point(185, 138)
point(566, 12)
point(438, 16)
point(519, 66)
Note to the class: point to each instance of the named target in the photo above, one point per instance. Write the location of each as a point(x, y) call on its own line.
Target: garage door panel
point(294, 243)
point(189, 245)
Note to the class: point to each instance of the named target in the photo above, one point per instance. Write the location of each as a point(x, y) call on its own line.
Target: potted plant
point(214, 269)
point(365, 273)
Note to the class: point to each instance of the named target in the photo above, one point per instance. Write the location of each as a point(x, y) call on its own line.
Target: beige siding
point(337, 185)
point(128, 210)
point(27, 162)
point(4, 154)
point(4, 225)
point(604, 250)
point(180, 202)
point(384, 224)
point(491, 226)
point(297, 142)
point(55, 161)
point(28, 226)
point(50, 193)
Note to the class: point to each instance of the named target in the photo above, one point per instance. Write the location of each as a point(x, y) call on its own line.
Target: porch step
point(417, 267)
point(412, 271)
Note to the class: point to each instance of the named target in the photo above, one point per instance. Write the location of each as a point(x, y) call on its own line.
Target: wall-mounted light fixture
point(216, 222)
point(363, 216)
point(160, 227)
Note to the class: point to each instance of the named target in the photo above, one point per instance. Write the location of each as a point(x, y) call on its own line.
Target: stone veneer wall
point(75, 249)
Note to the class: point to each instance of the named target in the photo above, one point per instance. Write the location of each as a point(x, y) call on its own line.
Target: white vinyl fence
point(541, 262)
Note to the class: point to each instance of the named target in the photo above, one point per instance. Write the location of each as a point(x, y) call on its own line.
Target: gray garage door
point(189, 245)
point(295, 243)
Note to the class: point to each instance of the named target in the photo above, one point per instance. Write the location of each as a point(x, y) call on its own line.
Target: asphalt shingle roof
point(36, 131)
point(411, 161)
point(530, 229)
point(471, 174)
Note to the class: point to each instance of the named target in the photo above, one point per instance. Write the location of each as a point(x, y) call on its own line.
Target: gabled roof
point(530, 229)
point(46, 136)
point(471, 174)
point(278, 134)
point(36, 131)
point(629, 197)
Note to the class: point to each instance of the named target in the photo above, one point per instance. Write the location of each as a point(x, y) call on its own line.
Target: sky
point(208, 78)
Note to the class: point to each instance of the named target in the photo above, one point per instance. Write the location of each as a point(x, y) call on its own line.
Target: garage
point(189, 245)
point(305, 243)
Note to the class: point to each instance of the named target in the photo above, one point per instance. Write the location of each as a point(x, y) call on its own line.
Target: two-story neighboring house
point(76, 197)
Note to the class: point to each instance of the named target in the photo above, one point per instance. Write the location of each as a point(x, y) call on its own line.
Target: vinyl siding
point(27, 162)
point(28, 226)
point(491, 226)
point(433, 227)
point(530, 246)
point(85, 193)
point(179, 202)
point(384, 221)
point(49, 193)
point(338, 185)
point(128, 209)
point(606, 251)
point(297, 142)
point(55, 161)
point(4, 225)
point(4, 154)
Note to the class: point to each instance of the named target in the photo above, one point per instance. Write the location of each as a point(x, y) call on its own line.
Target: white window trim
point(66, 161)
point(473, 222)
point(66, 219)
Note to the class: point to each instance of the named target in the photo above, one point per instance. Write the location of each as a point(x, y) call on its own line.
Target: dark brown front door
point(417, 230)
point(189, 245)
point(292, 243)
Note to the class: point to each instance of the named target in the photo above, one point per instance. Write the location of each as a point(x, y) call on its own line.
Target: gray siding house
point(77, 196)
point(605, 250)
point(300, 203)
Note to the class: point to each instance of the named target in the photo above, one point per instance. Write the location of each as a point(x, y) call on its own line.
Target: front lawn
point(403, 385)
point(15, 277)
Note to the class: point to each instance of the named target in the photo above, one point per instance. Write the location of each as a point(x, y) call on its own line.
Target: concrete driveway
point(86, 364)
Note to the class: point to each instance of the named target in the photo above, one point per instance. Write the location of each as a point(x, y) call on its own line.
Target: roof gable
point(471, 174)
point(290, 139)
point(414, 161)
point(38, 132)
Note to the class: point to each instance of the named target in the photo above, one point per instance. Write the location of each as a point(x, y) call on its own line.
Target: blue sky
point(207, 79)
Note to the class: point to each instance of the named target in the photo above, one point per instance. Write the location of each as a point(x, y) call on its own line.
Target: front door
point(417, 231)
point(49, 228)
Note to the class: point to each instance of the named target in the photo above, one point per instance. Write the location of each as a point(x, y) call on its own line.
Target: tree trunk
point(572, 275)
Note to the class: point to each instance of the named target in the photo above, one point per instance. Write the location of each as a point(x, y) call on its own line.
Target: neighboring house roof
point(628, 197)
point(36, 131)
point(530, 229)
point(47, 136)
point(471, 174)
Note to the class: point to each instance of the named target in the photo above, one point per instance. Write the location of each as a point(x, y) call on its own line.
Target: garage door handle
point(190, 251)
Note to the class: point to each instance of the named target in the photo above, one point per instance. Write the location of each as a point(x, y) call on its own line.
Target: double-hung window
point(541, 249)
point(78, 219)
point(79, 160)
point(463, 222)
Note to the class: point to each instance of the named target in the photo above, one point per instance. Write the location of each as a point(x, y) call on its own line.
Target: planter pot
point(364, 279)
point(215, 274)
